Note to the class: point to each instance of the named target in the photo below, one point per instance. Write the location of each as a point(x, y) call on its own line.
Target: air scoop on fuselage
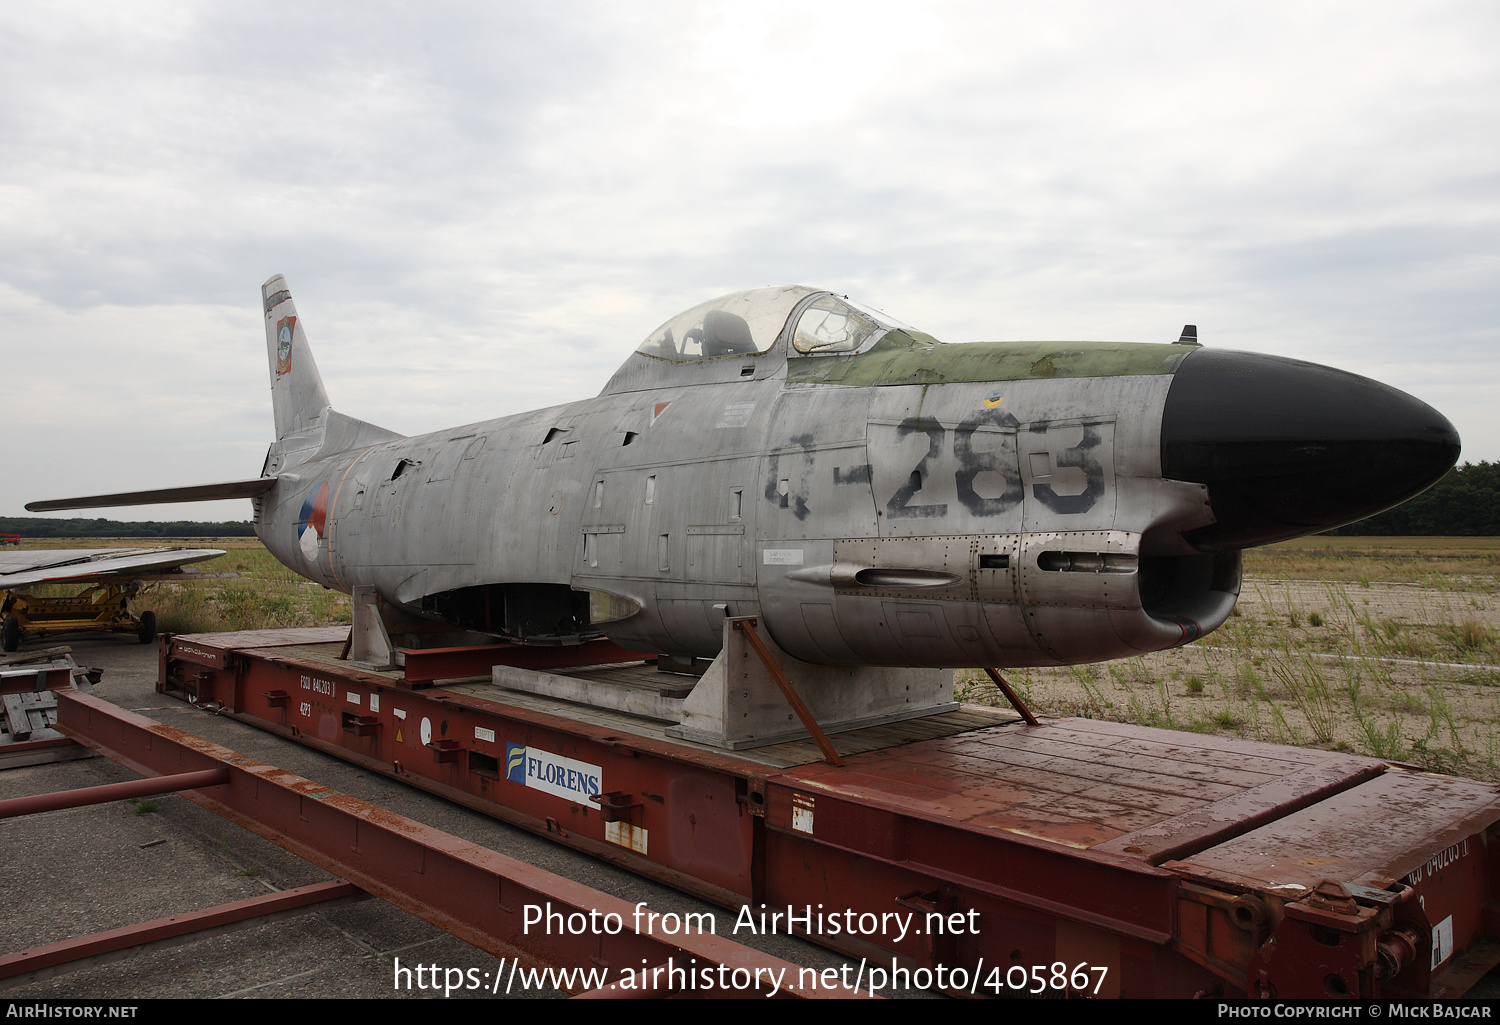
point(1288, 448)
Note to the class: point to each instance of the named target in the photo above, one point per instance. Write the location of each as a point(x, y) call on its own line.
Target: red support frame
point(478, 895)
point(111, 792)
point(892, 832)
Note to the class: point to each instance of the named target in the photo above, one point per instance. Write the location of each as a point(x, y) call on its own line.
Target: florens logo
point(553, 774)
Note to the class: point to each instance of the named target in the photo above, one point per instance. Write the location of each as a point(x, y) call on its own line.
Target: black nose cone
point(1290, 448)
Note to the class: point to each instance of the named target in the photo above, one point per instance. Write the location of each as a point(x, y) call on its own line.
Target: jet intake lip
point(1288, 448)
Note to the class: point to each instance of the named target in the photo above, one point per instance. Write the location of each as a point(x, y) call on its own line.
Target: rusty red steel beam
point(469, 891)
point(747, 627)
point(452, 663)
point(1012, 697)
point(112, 792)
point(99, 944)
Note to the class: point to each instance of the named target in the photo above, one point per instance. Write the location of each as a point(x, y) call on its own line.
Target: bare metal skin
point(875, 496)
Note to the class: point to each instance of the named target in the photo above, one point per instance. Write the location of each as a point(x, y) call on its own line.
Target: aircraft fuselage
point(944, 524)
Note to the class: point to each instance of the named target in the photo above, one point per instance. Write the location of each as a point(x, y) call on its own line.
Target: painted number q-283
point(969, 461)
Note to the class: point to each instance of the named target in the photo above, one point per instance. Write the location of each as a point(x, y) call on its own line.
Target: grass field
point(1470, 563)
point(1382, 646)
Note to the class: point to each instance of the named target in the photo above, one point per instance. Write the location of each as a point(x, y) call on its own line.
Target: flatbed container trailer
point(977, 853)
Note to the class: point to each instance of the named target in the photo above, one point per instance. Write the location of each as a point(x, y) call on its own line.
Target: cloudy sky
point(482, 208)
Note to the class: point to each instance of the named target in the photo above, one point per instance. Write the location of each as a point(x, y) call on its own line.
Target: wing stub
point(250, 488)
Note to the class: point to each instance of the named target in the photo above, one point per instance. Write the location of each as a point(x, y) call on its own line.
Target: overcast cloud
point(483, 208)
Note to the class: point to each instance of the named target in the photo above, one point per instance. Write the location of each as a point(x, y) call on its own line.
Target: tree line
point(1465, 503)
point(41, 526)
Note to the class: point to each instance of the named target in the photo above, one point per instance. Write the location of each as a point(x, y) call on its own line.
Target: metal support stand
point(808, 722)
point(750, 695)
point(371, 642)
point(739, 703)
point(381, 632)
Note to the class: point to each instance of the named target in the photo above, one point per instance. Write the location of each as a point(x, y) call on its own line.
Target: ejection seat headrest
point(725, 334)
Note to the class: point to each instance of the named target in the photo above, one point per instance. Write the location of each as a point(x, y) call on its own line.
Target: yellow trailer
point(100, 607)
point(112, 577)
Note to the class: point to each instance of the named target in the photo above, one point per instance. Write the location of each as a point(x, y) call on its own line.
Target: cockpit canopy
point(749, 323)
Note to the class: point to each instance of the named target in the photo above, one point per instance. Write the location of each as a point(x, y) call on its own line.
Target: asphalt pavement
point(79, 871)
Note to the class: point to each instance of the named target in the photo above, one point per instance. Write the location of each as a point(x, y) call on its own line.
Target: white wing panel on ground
point(63, 565)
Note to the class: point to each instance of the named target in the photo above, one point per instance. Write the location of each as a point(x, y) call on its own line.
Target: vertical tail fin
point(297, 395)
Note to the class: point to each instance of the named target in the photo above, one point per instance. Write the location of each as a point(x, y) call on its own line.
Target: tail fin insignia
point(297, 395)
point(284, 330)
